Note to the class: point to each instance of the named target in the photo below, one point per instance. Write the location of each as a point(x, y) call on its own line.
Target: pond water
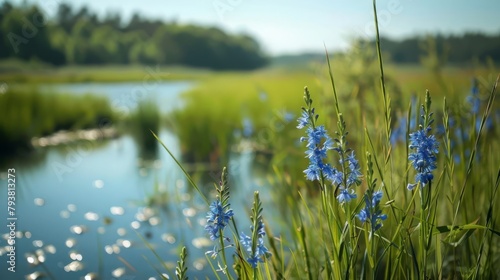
point(124, 97)
point(94, 207)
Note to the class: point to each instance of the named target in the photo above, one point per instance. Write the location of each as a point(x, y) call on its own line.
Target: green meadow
point(444, 231)
point(379, 161)
point(227, 112)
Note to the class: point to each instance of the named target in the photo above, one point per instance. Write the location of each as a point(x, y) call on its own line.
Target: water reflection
point(106, 207)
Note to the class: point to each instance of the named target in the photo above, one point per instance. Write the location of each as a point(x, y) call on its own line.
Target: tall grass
point(28, 113)
point(420, 206)
point(220, 108)
point(141, 122)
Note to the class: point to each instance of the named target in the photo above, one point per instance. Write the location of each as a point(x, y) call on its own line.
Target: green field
point(229, 111)
point(458, 238)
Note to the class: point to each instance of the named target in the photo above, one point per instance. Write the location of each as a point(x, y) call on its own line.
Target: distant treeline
point(81, 37)
point(455, 48)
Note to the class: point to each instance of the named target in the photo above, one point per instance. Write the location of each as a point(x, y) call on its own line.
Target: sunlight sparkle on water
point(41, 258)
point(74, 255)
point(116, 249)
point(189, 212)
point(73, 266)
point(90, 276)
point(71, 207)
point(168, 238)
point(70, 242)
point(34, 276)
point(78, 229)
point(121, 231)
point(98, 184)
point(154, 221)
point(108, 249)
point(39, 201)
point(199, 264)
point(126, 243)
point(91, 216)
point(200, 242)
point(119, 272)
point(135, 225)
point(50, 249)
point(31, 259)
point(117, 210)
point(64, 214)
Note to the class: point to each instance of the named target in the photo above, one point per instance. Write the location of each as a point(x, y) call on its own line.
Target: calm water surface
point(88, 207)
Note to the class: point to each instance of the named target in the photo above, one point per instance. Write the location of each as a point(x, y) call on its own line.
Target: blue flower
point(288, 117)
point(377, 197)
point(246, 241)
point(345, 196)
point(355, 174)
point(217, 218)
point(473, 99)
point(254, 260)
point(261, 251)
point(247, 127)
point(424, 157)
point(318, 143)
point(372, 213)
point(303, 120)
point(363, 215)
point(399, 132)
point(213, 253)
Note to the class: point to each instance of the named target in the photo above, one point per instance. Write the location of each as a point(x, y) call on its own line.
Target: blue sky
point(295, 26)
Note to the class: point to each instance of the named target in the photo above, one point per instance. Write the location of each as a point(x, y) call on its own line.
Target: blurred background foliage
point(80, 37)
point(28, 113)
point(225, 106)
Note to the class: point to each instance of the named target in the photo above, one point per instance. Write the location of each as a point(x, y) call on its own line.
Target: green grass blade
point(182, 168)
point(491, 100)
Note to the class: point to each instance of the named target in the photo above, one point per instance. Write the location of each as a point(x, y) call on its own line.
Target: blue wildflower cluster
point(220, 212)
point(318, 143)
point(260, 252)
point(217, 218)
point(255, 245)
point(425, 146)
point(372, 213)
point(399, 132)
point(424, 157)
point(473, 99)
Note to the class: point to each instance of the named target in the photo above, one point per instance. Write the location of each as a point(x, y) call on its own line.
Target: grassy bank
point(16, 72)
point(29, 113)
point(232, 106)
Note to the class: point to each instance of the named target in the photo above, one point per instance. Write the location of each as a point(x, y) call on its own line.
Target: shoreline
point(65, 137)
